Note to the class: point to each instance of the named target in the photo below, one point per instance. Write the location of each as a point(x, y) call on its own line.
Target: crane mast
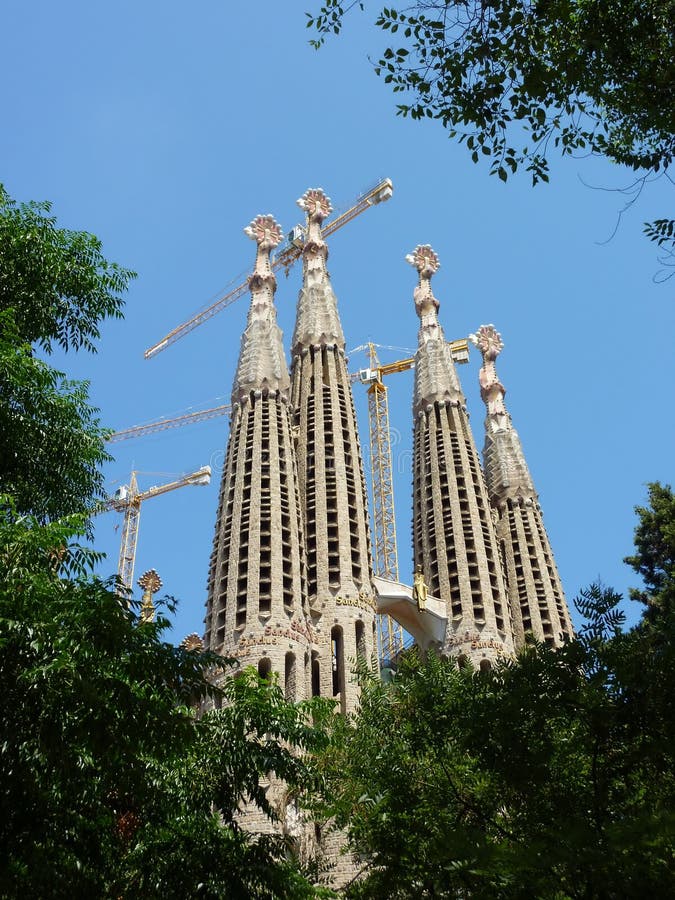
point(385, 551)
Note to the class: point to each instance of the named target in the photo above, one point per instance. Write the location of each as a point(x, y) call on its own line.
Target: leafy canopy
point(55, 289)
point(113, 785)
point(514, 80)
point(56, 281)
point(578, 74)
point(51, 440)
point(549, 776)
point(654, 559)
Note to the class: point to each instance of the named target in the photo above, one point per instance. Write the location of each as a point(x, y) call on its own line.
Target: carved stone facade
point(340, 592)
point(255, 608)
point(535, 592)
point(295, 603)
point(454, 540)
point(291, 588)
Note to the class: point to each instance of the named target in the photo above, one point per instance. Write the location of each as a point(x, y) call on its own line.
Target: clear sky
point(165, 127)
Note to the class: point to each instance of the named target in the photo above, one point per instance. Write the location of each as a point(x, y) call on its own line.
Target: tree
point(548, 776)
point(55, 289)
point(577, 75)
point(118, 777)
point(113, 783)
point(655, 557)
point(56, 281)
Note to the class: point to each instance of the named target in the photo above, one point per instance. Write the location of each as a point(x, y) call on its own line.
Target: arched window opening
point(316, 675)
point(290, 679)
point(360, 630)
point(485, 665)
point(265, 667)
point(338, 665)
point(462, 661)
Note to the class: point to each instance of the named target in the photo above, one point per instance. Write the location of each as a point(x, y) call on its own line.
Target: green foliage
point(51, 441)
point(581, 75)
point(654, 560)
point(56, 281)
point(113, 785)
point(550, 776)
point(514, 80)
point(55, 288)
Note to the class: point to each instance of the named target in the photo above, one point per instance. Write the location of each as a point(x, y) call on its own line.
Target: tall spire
point(454, 540)
point(262, 361)
point(506, 471)
point(340, 588)
point(535, 592)
point(435, 374)
point(317, 321)
point(255, 608)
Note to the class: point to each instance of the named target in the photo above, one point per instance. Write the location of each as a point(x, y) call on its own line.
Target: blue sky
point(165, 127)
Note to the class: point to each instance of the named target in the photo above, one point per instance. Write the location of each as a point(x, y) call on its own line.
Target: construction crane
point(287, 254)
point(385, 551)
point(164, 424)
point(128, 499)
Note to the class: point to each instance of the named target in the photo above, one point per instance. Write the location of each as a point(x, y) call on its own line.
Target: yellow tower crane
point(385, 551)
point(286, 256)
point(128, 499)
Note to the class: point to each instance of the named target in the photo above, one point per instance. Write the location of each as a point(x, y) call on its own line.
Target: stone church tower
point(256, 588)
point(340, 593)
point(454, 540)
point(535, 592)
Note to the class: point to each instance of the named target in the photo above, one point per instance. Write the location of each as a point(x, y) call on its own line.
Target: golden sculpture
point(419, 590)
point(151, 583)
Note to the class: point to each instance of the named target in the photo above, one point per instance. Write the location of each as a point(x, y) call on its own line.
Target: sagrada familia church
point(291, 588)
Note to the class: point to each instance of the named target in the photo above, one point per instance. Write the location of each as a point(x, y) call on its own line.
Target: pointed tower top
point(435, 375)
point(489, 341)
point(317, 322)
point(265, 231)
point(426, 261)
point(506, 471)
point(316, 204)
point(262, 363)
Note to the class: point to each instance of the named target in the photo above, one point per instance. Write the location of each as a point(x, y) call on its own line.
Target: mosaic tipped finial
point(489, 341)
point(151, 583)
point(267, 234)
point(192, 643)
point(262, 362)
point(265, 231)
point(316, 204)
point(425, 260)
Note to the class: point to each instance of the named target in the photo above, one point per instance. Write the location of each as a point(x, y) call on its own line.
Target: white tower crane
point(128, 499)
point(287, 254)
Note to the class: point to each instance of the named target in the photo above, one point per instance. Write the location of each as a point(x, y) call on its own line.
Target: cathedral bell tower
point(535, 592)
point(256, 588)
point(454, 541)
point(340, 593)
